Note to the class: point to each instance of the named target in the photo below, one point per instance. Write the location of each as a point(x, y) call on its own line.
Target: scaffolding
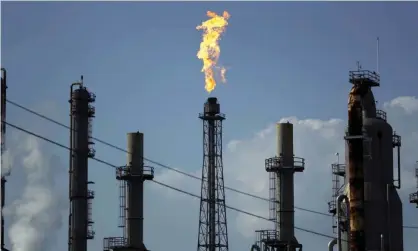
point(338, 181)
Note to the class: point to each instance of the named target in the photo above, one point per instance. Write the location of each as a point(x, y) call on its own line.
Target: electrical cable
point(157, 182)
point(155, 162)
point(149, 160)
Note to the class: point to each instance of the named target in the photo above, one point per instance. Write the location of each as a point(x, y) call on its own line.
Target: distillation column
point(213, 234)
point(3, 148)
point(375, 209)
point(283, 168)
point(80, 145)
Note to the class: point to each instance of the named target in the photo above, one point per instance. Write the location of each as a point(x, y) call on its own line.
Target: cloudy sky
point(290, 60)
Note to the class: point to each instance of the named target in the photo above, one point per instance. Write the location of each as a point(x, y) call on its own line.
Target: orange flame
point(209, 48)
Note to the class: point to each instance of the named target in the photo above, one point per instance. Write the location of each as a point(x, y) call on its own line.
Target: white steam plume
point(38, 213)
point(6, 162)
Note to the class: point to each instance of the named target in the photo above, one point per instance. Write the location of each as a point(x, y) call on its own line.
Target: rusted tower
point(81, 114)
point(3, 148)
point(131, 198)
point(213, 233)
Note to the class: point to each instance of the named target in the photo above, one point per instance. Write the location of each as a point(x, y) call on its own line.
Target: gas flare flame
point(209, 48)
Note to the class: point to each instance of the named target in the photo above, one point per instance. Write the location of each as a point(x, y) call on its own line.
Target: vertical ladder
point(122, 205)
point(338, 176)
point(272, 197)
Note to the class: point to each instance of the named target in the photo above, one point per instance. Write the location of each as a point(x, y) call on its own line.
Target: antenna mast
point(377, 55)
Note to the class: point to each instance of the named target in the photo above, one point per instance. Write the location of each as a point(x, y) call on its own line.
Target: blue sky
point(285, 59)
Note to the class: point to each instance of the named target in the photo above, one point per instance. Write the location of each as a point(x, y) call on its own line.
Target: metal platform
point(380, 114)
point(275, 164)
point(413, 198)
point(365, 77)
point(269, 240)
point(124, 173)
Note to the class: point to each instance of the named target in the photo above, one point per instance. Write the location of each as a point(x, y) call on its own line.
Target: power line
point(155, 162)
point(159, 183)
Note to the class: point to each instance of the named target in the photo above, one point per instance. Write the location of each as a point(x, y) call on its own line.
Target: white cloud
point(407, 103)
point(315, 140)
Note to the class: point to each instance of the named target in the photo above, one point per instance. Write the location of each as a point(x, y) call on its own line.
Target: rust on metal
point(355, 168)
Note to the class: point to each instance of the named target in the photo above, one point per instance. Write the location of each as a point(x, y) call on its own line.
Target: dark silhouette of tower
point(213, 233)
point(3, 148)
point(81, 114)
point(413, 197)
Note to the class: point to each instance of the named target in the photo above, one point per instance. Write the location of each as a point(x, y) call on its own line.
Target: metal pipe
point(388, 189)
point(399, 167)
point(212, 186)
point(331, 245)
point(340, 199)
point(382, 243)
point(254, 247)
point(3, 142)
point(355, 168)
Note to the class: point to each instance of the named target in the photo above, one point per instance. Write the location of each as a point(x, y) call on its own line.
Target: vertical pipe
point(377, 55)
point(135, 190)
point(399, 167)
point(285, 180)
point(3, 194)
point(388, 190)
point(331, 245)
point(355, 169)
point(382, 243)
point(3, 145)
point(340, 199)
point(212, 185)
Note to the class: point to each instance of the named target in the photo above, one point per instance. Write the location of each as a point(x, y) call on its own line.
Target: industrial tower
point(3, 148)
point(281, 169)
point(413, 197)
point(80, 221)
point(213, 233)
point(131, 198)
point(367, 207)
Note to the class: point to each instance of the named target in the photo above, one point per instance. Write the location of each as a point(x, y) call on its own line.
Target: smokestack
point(131, 186)
point(282, 169)
point(135, 191)
point(80, 144)
point(135, 177)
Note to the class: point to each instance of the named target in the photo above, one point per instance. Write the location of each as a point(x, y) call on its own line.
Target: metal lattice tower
point(213, 233)
point(80, 220)
point(413, 197)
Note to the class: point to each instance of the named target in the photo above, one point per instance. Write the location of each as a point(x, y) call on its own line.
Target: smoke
point(37, 214)
point(6, 163)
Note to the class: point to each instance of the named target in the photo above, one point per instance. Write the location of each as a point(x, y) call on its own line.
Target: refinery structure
point(365, 206)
